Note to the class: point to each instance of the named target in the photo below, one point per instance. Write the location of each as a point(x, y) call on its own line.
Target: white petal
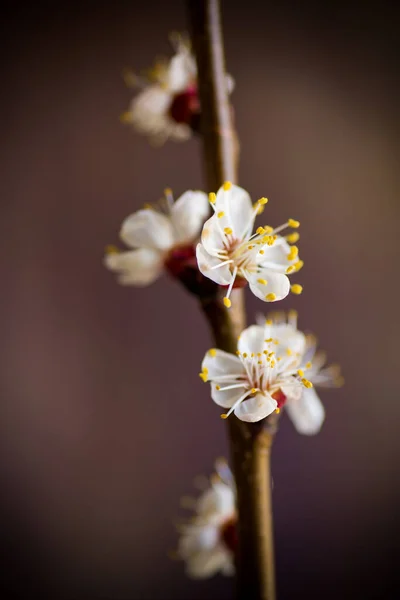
point(212, 236)
point(147, 229)
point(288, 336)
point(136, 267)
point(206, 563)
point(152, 100)
point(237, 206)
point(276, 256)
point(181, 71)
point(223, 363)
point(277, 284)
point(307, 413)
point(197, 538)
point(218, 500)
point(221, 275)
point(251, 340)
point(256, 408)
point(226, 398)
point(188, 214)
point(230, 83)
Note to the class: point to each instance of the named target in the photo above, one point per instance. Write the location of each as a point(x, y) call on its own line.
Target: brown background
point(104, 422)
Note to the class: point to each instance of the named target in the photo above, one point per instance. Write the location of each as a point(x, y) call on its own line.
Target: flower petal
point(277, 284)
point(307, 413)
point(251, 340)
point(206, 563)
point(222, 363)
point(256, 408)
point(238, 210)
point(219, 501)
point(136, 267)
point(188, 214)
point(181, 71)
point(275, 257)
point(288, 337)
point(147, 229)
point(212, 236)
point(221, 275)
point(226, 398)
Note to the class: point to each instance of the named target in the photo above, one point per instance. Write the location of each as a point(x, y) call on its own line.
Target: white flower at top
point(168, 98)
point(161, 236)
point(230, 254)
point(208, 542)
point(253, 383)
point(306, 410)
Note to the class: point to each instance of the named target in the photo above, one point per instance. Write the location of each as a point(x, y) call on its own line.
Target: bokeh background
point(104, 422)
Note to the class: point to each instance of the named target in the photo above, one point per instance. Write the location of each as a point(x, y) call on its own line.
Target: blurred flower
point(305, 410)
point(257, 381)
point(231, 255)
point(162, 236)
point(208, 542)
point(168, 103)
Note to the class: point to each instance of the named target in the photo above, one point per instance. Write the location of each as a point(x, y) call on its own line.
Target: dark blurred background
point(104, 421)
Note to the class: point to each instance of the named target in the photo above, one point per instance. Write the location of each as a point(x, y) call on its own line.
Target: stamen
point(298, 265)
point(212, 352)
point(228, 230)
point(300, 372)
point(296, 289)
point(227, 186)
point(262, 281)
point(212, 198)
point(293, 223)
point(306, 383)
point(270, 297)
point(220, 214)
point(292, 238)
point(227, 302)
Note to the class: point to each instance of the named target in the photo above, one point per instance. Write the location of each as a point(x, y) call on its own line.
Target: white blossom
point(208, 542)
point(168, 97)
point(157, 234)
point(253, 382)
point(230, 254)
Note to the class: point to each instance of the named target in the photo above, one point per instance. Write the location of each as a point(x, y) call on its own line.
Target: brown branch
point(250, 443)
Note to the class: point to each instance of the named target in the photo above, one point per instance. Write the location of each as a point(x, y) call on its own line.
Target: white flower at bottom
point(252, 383)
point(231, 255)
point(208, 542)
point(305, 410)
point(159, 236)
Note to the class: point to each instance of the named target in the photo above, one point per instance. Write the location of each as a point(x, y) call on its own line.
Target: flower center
point(280, 398)
point(185, 105)
point(228, 533)
point(179, 258)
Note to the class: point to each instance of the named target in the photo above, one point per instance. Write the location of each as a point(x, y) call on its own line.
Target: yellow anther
point(258, 207)
point(268, 321)
point(262, 281)
point(290, 268)
point(228, 230)
point(212, 198)
point(270, 297)
point(237, 352)
point(147, 206)
point(277, 410)
point(212, 352)
point(293, 223)
point(205, 370)
point(253, 390)
point(271, 354)
point(265, 352)
point(308, 365)
point(221, 214)
point(293, 314)
point(306, 383)
point(252, 355)
point(258, 353)
point(250, 247)
point(224, 416)
point(260, 230)
point(289, 352)
point(292, 238)
point(227, 302)
point(261, 251)
point(296, 288)
point(269, 340)
point(294, 252)
point(203, 377)
point(244, 354)
point(227, 186)
point(110, 249)
point(298, 265)
point(276, 342)
point(300, 372)
point(262, 201)
point(279, 358)
point(168, 192)
point(268, 229)
point(259, 362)
point(217, 387)
point(126, 117)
